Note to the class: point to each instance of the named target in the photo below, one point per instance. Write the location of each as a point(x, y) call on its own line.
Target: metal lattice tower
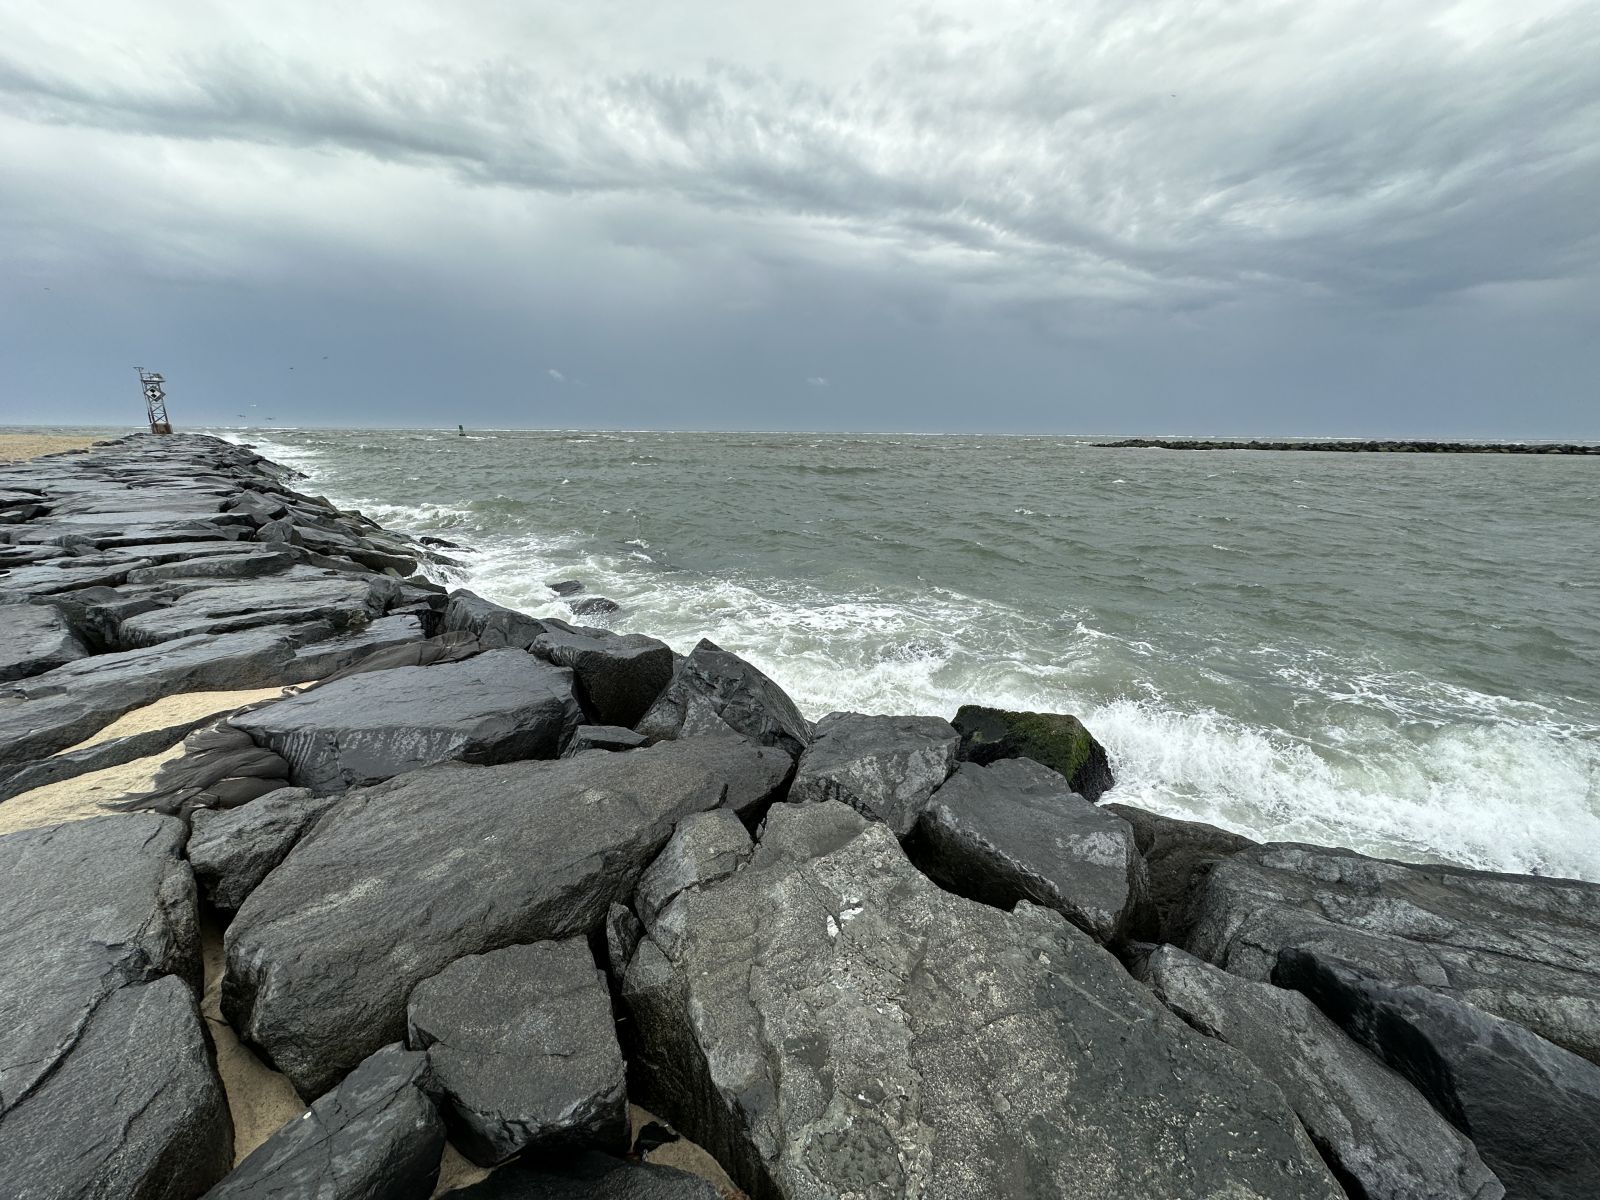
point(155, 400)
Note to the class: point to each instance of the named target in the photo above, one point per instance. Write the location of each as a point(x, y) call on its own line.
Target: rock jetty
point(323, 880)
point(1356, 446)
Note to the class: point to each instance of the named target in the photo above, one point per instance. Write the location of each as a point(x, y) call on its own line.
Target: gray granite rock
point(522, 1048)
point(713, 691)
point(37, 639)
point(499, 706)
point(1521, 947)
point(602, 737)
point(375, 1137)
point(1015, 831)
point(618, 675)
point(1372, 1127)
point(827, 1022)
point(302, 594)
point(106, 1084)
point(231, 850)
point(495, 626)
point(1176, 856)
point(623, 931)
point(405, 877)
point(885, 768)
point(321, 659)
point(705, 846)
point(589, 1177)
point(1531, 1108)
point(135, 1110)
point(91, 907)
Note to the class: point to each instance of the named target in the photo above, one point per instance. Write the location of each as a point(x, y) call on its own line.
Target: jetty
point(322, 878)
point(1355, 446)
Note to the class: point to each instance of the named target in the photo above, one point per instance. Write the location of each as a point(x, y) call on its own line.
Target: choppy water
point(1397, 654)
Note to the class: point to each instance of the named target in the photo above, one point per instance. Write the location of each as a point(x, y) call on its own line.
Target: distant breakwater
point(493, 878)
point(1356, 447)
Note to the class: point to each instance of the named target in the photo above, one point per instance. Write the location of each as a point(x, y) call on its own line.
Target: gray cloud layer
point(1170, 215)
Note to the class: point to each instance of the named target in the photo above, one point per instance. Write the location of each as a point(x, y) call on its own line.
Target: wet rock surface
point(828, 1022)
point(375, 1137)
point(232, 850)
point(1371, 1125)
point(1176, 856)
point(618, 675)
point(1531, 1108)
point(1516, 946)
point(713, 691)
point(1015, 831)
point(405, 877)
point(498, 706)
point(885, 768)
point(521, 1046)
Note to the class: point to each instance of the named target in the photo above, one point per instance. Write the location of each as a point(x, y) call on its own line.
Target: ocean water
point(1398, 654)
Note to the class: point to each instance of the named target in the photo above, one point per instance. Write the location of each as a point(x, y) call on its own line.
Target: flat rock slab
point(499, 706)
point(1056, 740)
point(303, 594)
point(1176, 855)
point(1015, 831)
point(619, 675)
point(403, 878)
point(1531, 1108)
point(37, 639)
point(589, 1177)
point(375, 1137)
point(1521, 947)
point(90, 907)
point(321, 659)
point(231, 850)
point(136, 1109)
point(885, 768)
point(521, 1044)
point(713, 691)
point(1368, 1121)
point(827, 1022)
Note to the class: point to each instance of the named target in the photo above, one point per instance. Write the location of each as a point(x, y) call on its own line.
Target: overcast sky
point(1234, 216)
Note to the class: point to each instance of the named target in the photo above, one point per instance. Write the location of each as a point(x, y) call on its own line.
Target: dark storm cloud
point(1073, 178)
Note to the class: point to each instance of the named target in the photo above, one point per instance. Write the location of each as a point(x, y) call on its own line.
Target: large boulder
point(1176, 856)
point(495, 626)
point(1522, 947)
point(226, 606)
point(883, 767)
point(589, 1177)
point(496, 707)
point(618, 675)
point(403, 878)
point(522, 1048)
point(375, 1137)
point(1015, 831)
point(232, 849)
point(106, 1082)
point(135, 1110)
point(713, 691)
point(1531, 1108)
point(827, 1022)
point(37, 639)
point(1057, 740)
point(1371, 1126)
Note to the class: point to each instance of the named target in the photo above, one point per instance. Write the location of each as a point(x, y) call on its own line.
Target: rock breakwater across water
point(487, 878)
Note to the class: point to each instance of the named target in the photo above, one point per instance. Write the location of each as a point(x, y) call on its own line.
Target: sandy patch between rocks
point(175, 710)
point(86, 796)
point(15, 447)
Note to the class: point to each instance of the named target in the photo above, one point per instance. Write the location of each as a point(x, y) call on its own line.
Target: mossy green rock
point(1057, 740)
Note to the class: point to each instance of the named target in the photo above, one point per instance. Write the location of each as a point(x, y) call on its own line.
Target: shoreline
point(24, 447)
point(396, 798)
